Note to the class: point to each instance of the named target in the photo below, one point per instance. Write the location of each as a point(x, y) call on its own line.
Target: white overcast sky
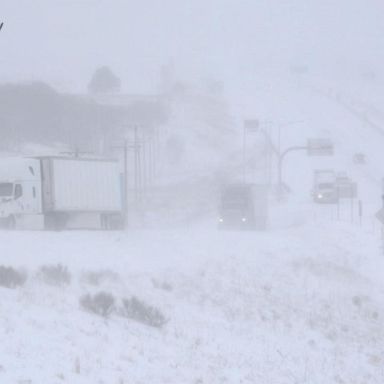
point(63, 41)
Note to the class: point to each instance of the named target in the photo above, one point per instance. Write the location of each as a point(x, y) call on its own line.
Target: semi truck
point(54, 192)
point(329, 187)
point(243, 206)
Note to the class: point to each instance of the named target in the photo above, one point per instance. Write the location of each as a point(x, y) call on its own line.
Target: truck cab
point(243, 206)
point(20, 192)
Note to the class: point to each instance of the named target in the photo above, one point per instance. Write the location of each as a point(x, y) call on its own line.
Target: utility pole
point(137, 161)
point(144, 167)
point(314, 147)
point(244, 149)
point(360, 212)
point(254, 126)
point(125, 188)
point(142, 150)
point(382, 223)
point(124, 147)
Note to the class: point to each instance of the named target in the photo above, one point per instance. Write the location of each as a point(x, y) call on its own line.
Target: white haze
point(64, 41)
point(299, 302)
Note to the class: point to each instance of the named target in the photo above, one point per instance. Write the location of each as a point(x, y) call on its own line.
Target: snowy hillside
point(241, 307)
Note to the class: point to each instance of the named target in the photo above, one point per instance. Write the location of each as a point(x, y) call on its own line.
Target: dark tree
point(104, 81)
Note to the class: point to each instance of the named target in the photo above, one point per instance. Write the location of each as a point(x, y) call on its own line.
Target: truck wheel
point(112, 222)
point(59, 221)
point(118, 223)
point(104, 222)
point(11, 223)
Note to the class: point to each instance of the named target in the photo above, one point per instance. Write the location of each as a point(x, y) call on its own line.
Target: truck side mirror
point(18, 191)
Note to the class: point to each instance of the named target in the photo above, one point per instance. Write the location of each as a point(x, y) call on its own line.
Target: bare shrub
point(55, 274)
point(77, 366)
point(11, 278)
point(101, 304)
point(97, 277)
point(137, 310)
point(163, 285)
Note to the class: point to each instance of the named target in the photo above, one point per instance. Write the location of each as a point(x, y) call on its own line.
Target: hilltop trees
point(104, 81)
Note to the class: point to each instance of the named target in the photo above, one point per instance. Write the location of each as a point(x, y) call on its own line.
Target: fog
point(191, 191)
point(63, 42)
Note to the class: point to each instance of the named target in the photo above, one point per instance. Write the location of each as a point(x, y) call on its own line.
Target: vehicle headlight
point(221, 219)
point(319, 196)
point(243, 219)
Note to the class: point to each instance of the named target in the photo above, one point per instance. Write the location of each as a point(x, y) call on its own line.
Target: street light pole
point(244, 154)
point(281, 157)
point(125, 190)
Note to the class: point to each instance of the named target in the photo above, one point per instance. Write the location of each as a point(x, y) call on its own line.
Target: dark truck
point(243, 206)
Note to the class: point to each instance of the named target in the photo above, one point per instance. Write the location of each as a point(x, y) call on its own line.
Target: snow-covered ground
point(301, 303)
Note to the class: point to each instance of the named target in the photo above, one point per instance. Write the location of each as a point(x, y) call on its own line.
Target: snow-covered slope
point(242, 307)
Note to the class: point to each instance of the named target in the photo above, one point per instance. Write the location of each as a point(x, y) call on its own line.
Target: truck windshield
point(235, 198)
point(326, 186)
point(6, 189)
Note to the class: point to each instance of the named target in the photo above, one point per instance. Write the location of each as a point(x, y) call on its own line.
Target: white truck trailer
point(60, 193)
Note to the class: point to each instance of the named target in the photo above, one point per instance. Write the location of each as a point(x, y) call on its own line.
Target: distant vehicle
point(60, 193)
point(329, 187)
point(243, 206)
point(324, 187)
